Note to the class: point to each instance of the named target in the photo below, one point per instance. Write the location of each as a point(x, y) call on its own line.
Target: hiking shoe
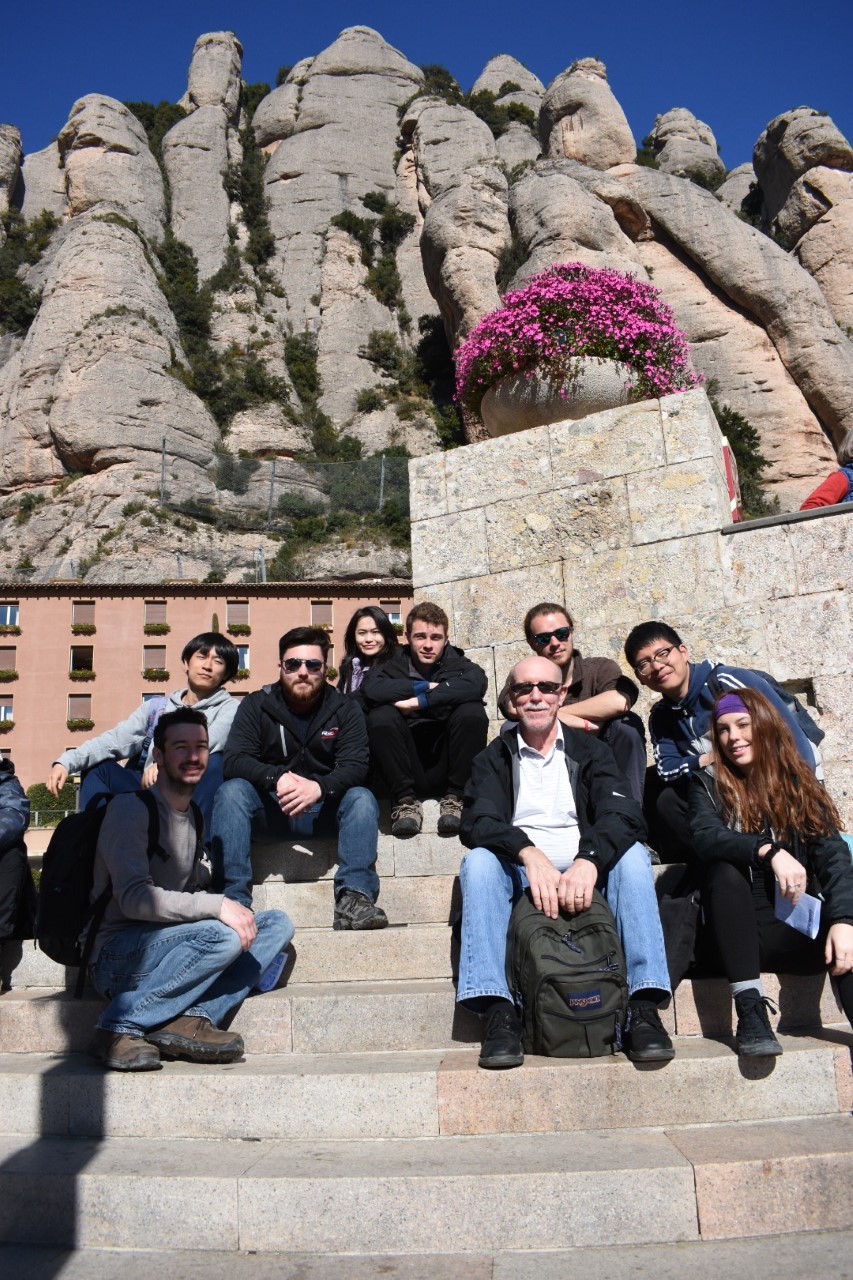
point(754, 1035)
point(645, 1037)
point(122, 1052)
point(449, 815)
point(407, 817)
point(501, 1046)
point(197, 1040)
point(354, 910)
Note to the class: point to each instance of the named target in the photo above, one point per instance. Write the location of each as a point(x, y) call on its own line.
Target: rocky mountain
point(210, 310)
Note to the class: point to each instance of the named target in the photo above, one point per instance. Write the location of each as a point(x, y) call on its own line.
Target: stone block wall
point(619, 515)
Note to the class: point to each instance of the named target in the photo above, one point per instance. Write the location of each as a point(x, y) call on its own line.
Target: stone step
point(788, 1257)
point(405, 900)
point(429, 1092)
point(359, 1017)
point(405, 1196)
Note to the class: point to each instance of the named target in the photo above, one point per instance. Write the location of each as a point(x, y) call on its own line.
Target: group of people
point(556, 805)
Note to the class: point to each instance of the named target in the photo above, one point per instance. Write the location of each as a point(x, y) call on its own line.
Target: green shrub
point(509, 86)
point(295, 506)
point(24, 244)
point(369, 400)
point(232, 472)
point(361, 229)
point(251, 95)
point(300, 356)
point(281, 75)
point(51, 808)
point(745, 444)
point(156, 121)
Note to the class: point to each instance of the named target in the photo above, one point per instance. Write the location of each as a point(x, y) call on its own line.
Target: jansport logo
point(584, 1001)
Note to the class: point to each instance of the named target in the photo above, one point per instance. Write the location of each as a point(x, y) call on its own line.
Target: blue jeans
point(115, 779)
point(239, 804)
point(491, 886)
point(153, 973)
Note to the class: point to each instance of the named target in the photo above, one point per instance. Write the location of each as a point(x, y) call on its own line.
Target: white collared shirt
point(544, 804)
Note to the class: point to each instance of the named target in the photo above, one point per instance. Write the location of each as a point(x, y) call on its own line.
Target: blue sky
point(734, 64)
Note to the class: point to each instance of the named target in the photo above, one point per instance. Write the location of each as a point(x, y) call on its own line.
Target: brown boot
point(197, 1040)
point(124, 1053)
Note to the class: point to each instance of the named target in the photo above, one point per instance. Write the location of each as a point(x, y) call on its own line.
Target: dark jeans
point(116, 780)
point(416, 756)
point(626, 738)
point(741, 917)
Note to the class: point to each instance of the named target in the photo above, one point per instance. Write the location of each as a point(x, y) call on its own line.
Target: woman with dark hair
point(210, 660)
point(764, 824)
point(369, 640)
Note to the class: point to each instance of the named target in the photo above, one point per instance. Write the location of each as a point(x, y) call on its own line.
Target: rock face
point(581, 119)
point(106, 372)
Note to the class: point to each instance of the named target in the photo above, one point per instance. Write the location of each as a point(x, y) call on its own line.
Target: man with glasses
point(680, 723)
point(598, 696)
point(295, 758)
point(546, 807)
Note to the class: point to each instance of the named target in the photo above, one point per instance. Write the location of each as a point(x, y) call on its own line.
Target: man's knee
point(359, 804)
point(468, 713)
point(480, 871)
point(633, 868)
point(236, 792)
point(383, 718)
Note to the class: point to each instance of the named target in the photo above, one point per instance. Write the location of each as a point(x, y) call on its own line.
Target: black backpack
point(68, 869)
point(568, 977)
point(798, 712)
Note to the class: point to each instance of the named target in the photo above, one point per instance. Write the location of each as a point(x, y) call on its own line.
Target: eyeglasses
point(527, 686)
point(292, 665)
point(545, 637)
point(656, 660)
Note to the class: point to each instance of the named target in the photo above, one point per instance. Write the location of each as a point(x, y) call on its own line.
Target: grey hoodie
point(127, 738)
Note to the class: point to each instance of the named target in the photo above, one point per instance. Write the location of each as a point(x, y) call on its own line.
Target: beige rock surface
point(793, 143)
point(736, 187)
point(581, 119)
point(105, 153)
point(195, 155)
point(447, 140)
point(686, 146)
point(517, 146)
point(826, 252)
point(44, 183)
point(811, 196)
point(276, 115)
point(500, 69)
point(10, 163)
point(214, 76)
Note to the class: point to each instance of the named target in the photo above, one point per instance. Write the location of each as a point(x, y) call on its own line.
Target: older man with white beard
point(547, 808)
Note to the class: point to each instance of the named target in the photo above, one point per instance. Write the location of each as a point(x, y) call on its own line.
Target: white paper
point(805, 916)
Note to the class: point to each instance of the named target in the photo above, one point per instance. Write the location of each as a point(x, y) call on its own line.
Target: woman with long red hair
point(764, 820)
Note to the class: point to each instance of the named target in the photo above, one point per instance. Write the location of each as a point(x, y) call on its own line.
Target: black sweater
point(457, 677)
point(608, 819)
point(266, 740)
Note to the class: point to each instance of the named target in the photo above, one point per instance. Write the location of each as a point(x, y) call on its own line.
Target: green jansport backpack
point(568, 978)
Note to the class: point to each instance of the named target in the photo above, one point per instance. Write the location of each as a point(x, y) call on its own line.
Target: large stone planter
point(524, 400)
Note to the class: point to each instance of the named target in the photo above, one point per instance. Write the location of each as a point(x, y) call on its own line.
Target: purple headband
point(728, 704)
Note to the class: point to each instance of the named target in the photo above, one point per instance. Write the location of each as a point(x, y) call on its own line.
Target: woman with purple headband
point(764, 820)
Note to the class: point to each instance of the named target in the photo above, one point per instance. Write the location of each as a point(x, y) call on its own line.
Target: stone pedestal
point(619, 515)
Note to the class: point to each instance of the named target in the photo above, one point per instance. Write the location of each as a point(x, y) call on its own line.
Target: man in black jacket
point(426, 721)
point(546, 807)
point(295, 758)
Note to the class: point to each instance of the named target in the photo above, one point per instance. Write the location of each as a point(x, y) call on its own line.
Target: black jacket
point(826, 858)
point(265, 742)
point(458, 679)
point(608, 819)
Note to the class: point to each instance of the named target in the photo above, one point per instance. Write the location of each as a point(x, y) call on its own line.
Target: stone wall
point(620, 516)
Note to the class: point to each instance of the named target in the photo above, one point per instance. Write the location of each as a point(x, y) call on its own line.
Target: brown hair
point(430, 613)
point(780, 790)
point(539, 611)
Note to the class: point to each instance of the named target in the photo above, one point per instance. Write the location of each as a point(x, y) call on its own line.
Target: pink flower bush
point(571, 311)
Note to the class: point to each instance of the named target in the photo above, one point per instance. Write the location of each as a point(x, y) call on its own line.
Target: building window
point(9, 614)
point(321, 613)
point(237, 617)
point(82, 658)
point(9, 658)
point(6, 711)
point(392, 608)
point(242, 656)
point(155, 612)
point(154, 655)
point(79, 706)
point(146, 697)
point(5, 753)
point(83, 613)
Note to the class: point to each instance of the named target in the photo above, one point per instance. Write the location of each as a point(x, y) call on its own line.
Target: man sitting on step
point(294, 761)
point(546, 807)
point(426, 721)
point(172, 959)
point(598, 696)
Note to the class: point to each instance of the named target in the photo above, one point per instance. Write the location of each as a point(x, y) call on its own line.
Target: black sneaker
point(502, 1039)
point(354, 910)
point(407, 817)
point(645, 1037)
point(449, 815)
point(755, 1038)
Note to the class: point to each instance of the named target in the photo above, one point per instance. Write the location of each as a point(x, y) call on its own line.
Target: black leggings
point(740, 915)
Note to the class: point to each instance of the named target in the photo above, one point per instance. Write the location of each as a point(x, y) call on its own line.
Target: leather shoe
point(647, 1041)
point(502, 1040)
point(197, 1040)
point(122, 1052)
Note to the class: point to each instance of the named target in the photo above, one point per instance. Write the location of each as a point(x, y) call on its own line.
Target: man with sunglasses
point(546, 807)
point(295, 760)
point(598, 696)
point(680, 723)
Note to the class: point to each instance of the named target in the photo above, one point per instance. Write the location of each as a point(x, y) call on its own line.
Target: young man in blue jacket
point(680, 723)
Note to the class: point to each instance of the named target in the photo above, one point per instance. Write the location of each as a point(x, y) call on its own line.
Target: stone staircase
point(359, 1123)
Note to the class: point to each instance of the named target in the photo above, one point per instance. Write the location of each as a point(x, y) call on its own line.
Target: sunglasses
point(545, 637)
point(527, 686)
point(292, 665)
